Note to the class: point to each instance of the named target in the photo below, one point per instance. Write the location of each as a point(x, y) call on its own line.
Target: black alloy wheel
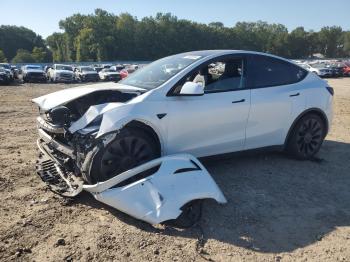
point(307, 137)
point(130, 148)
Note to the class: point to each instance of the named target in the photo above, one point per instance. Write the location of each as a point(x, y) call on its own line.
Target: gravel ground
point(278, 209)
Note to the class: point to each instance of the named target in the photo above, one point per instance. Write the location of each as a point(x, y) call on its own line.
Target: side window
point(267, 71)
point(221, 76)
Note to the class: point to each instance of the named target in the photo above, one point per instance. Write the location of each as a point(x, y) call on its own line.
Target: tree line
point(104, 36)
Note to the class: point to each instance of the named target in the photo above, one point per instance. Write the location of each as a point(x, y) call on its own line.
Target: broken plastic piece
point(160, 196)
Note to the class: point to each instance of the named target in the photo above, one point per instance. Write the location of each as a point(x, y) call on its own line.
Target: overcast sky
point(43, 16)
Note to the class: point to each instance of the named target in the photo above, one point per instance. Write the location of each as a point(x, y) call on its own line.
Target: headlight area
point(62, 159)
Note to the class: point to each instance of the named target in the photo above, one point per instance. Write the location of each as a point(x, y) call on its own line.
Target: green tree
point(85, 46)
point(13, 38)
point(105, 36)
point(3, 58)
point(331, 41)
point(23, 56)
point(59, 45)
point(346, 39)
point(216, 25)
point(39, 54)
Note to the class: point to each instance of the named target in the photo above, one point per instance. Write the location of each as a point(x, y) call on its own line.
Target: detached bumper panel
point(158, 197)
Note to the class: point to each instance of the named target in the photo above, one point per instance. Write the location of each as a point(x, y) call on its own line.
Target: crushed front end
point(62, 156)
point(65, 157)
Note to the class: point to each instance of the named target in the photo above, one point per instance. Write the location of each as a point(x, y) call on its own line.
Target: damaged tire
point(130, 148)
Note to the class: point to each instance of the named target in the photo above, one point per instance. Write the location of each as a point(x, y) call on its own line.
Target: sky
point(43, 16)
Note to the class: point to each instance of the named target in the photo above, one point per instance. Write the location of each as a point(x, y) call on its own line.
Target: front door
point(215, 122)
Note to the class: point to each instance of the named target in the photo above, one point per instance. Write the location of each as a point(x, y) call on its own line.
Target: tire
point(130, 148)
point(306, 137)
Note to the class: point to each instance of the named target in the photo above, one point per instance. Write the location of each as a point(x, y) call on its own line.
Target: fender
point(119, 124)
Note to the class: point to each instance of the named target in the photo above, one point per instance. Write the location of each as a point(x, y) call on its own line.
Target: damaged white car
point(91, 134)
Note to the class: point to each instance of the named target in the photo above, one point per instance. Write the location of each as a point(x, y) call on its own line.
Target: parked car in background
point(335, 71)
point(121, 69)
point(319, 69)
point(61, 73)
point(106, 66)
point(346, 68)
point(86, 74)
point(15, 71)
point(117, 68)
point(338, 68)
point(124, 73)
point(7, 68)
point(108, 74)
point(131, 68)
point(33, 73)
point(97, 68)
point(4, 78)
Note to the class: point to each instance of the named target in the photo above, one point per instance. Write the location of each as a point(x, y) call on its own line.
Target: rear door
point(276, 93)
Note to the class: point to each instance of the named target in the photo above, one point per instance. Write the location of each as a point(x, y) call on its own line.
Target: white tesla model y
point(202, 103)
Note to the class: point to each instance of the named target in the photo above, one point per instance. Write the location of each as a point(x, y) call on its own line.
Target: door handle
point(297, 94)
point(238, 101)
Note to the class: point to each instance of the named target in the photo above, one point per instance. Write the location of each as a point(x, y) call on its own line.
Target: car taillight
point(330, 90)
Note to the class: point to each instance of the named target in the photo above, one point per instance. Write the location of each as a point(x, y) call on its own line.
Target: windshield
point(160, 71)
point(63, 67)
point(87, 69)
point(34, 67)
point(109, 70)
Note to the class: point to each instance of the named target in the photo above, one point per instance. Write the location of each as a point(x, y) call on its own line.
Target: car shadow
point(275, 204)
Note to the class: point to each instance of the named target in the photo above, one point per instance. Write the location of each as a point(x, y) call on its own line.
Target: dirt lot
point(279, 209)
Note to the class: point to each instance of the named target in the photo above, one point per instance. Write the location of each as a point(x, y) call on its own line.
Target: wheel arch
point(149, 130)
point(314, 110)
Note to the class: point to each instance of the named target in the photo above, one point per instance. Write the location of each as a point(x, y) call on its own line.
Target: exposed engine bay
point(69, 151)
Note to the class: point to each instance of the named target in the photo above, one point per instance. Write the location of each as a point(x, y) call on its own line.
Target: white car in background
point(256, 101)
point(109, 74)
point(61, 73)
point(319, 69)
point(7, 68)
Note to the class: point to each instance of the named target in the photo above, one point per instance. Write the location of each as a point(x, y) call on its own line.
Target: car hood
point(64, 71)
point(64, 96)
point(34, 71)
point(89, 73)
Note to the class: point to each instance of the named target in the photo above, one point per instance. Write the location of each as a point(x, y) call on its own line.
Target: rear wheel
point(131, 147)
point(307, 137)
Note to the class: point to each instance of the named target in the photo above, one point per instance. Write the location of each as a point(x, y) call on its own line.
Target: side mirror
point(192, 89)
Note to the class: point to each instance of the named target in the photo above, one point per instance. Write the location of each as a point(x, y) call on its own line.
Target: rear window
point(267, 71)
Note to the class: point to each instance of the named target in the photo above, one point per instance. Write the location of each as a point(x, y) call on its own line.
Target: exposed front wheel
point(307, 137)
point(130, 148)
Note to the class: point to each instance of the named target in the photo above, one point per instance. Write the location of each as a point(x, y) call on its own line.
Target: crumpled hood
point(64, 96)
point(34, 71)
